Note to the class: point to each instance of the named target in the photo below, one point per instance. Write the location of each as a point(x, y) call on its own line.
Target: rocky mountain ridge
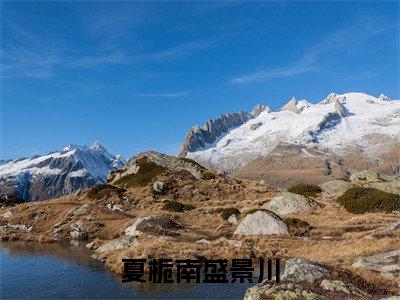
point(57, 173)
point(352, 124)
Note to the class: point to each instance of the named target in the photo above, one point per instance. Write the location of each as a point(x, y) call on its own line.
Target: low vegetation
point(307, 190)
point(176, 206)
point(207, 175)
point(148, 172)
point(227, 212)
point(11, 200)
point(104, 190)
point(298, 227)
point(360, 200)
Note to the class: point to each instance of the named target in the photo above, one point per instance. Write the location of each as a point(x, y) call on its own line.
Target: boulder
point(364, 175)
point(78, 211)
point(233, 219)
point(78, 230)
point(388, 187)
point(387, 263)
point(7, 214)
point(301, 269)
point(153, 225)
point(289, 203)
point(261, 223)
point(114, 245)
point(340, 286)
point(16, 227)
point(112, 206)
point(158, 186)
point(335, 188)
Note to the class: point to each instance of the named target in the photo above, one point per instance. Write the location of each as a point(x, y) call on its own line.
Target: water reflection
point(32, 270)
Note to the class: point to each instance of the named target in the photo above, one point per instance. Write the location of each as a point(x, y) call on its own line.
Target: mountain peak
point(384, 97)
point(97, 146)
point(258, 109)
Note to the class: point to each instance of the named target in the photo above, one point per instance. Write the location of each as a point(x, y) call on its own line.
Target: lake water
point(62, 271)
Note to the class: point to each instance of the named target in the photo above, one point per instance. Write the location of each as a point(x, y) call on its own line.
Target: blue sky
point(138, 75)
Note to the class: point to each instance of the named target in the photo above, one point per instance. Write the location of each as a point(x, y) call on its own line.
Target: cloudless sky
point(138, 75)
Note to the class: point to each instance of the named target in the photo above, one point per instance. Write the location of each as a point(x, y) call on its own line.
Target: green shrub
point(298, 227)
point(191, 161)
point(307, 190)
point(176, 206)
point(11, 200)
point(207, 175)
point(147, 172)
point(359, 200)
point(227, 212)
point(104, 190)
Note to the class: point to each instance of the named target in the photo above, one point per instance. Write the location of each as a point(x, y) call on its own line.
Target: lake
point(32, 270)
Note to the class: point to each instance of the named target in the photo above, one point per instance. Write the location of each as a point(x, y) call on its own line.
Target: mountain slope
point(340, 125)
point(57, 173)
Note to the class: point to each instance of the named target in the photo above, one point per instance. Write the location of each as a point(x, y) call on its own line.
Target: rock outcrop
point(335, 188)
point(289, 203)
point(261, 222)
point(387, 263)
point(154, 225)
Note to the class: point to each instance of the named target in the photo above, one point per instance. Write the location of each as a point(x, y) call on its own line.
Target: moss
point(11, 200)
point(147, 172)
point(208, 175)
point(298, 227)
point(227, 212)
point(191, 161)
point(359, 200)
point(307, 190)
point(104, 190)
point(176, 206)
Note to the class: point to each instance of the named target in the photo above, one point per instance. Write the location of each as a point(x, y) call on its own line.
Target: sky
point(139, 75)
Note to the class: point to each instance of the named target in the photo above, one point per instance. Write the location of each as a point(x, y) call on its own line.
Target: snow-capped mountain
point(57, 173)
point(339, 124)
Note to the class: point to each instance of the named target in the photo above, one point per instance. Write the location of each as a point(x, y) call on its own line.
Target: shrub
point(147, 172)
point(104, 190)
point(359, 200)
point(11, 200)
point(298, 227)
point(207, 175)
point(307, 190)
point(227, 212)
point(176, 206)
point(191, 161)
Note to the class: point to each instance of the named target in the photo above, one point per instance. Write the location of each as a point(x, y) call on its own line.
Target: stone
point(233, 219)
point(17, 227)
point(335, 188)
point(364, 175)
point(117, 207)
point(369, 101)
point(388, 187)
point(78, 230)
point(81, 210)
point(390, 178)
point(340, 286)
point(159, 186)
point(7, 214)
point(387, 263)
point(261, 223)
point(301, 269)
point(114, 245)
point(153, 225)
point(203, 241)
point(289, 203)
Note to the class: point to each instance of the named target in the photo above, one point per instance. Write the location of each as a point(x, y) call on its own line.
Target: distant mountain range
point(300, 142)
point(57, 173)
point(340, 133)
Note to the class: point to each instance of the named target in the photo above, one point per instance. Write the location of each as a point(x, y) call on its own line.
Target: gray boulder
point(335, 188)
point(159, 186)
point(153, 225)
point(81, 210)
point(261, 223)
point(114, 245)
point(289, 203)
point(301, 269)
point(388, 187)
point(387, 263)
point(78, 231)
point(364, 175)
point(233, 219)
